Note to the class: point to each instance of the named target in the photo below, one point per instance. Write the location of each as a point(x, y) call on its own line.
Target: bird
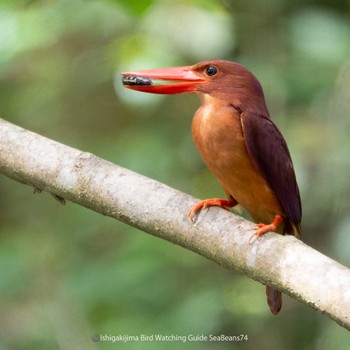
point(238, 142)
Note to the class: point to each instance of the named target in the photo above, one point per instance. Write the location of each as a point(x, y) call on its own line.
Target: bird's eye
point(211, 70)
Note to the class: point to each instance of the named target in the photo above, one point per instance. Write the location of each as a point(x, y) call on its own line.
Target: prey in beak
point(163, 81)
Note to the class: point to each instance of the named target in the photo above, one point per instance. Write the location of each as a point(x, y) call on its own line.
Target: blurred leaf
point(321, 34)
point(136, 7)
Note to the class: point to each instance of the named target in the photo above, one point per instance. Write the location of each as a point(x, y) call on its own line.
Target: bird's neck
point(237, 99)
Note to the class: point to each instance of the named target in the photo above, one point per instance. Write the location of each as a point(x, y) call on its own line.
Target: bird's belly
point(223, 149)
point(248, 188)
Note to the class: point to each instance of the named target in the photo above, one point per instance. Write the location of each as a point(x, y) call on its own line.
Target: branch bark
point(282, 262)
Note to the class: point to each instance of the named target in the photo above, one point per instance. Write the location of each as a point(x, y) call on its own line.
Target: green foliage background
point(67, 273)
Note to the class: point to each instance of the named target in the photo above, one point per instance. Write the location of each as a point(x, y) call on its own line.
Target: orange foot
point(263, 228)
point(217, 202)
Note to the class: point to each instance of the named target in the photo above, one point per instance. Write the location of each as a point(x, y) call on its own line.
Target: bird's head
point(225, 80)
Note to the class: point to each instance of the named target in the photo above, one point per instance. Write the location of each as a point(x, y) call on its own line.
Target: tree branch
point(280, 261)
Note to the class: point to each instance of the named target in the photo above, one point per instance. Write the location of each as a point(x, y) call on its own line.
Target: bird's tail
point(274, 300)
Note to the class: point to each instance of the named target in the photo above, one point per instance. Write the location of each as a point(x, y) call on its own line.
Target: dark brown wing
point(269, 152)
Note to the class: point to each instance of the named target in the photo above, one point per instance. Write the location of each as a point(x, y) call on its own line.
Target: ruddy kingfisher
point(238, 142)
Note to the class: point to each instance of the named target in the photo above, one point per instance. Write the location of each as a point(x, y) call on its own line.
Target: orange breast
point(218, 135)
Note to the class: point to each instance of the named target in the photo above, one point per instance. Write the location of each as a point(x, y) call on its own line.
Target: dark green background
point(67, 273)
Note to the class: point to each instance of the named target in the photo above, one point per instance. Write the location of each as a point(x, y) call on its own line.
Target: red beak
point(185, 80)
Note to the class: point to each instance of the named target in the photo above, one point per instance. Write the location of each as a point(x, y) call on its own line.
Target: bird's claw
point(212, 202)
point(193, 213)
point(264, 228)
